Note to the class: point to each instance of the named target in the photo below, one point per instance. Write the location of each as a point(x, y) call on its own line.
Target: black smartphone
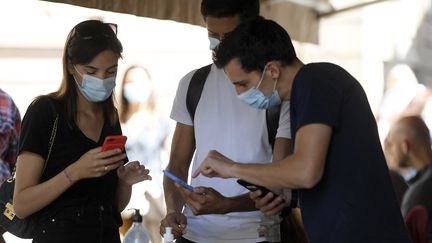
point(252, 187)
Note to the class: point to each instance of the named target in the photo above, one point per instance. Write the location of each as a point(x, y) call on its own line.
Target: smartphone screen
point(177, 180)
point(113, 142)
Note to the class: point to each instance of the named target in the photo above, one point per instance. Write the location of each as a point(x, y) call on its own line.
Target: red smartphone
point(113, 142)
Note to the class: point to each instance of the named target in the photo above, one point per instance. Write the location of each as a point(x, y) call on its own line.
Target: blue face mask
point(95, 89)
point(255, 98)
point(214, 43)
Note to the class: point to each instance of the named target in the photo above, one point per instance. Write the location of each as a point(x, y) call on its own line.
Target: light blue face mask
point(95, 89)
point(214, 43)
point(255, 98)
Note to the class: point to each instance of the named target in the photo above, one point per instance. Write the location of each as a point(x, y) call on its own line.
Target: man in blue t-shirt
point(338, 164)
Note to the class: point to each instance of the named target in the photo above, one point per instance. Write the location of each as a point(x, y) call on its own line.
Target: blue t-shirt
point(354, 201)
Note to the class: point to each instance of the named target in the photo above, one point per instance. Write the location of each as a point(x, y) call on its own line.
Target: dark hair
point(246, 9)
point(255, 43)
point(84, 42)
point(89, 38)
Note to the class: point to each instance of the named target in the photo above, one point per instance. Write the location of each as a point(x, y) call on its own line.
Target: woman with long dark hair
point(80, 193)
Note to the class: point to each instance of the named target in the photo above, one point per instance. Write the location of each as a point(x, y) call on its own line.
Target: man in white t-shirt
point(218, 210)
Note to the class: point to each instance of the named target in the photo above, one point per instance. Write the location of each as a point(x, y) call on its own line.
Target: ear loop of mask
point(262, 78)
point(77, 71)
point(80, 75)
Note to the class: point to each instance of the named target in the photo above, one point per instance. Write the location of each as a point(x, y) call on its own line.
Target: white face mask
point(95, 89)
point(214, 43)
point(136, 92)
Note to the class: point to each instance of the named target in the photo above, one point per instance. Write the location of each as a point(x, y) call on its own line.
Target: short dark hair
point(255, 43)
point(246, 9)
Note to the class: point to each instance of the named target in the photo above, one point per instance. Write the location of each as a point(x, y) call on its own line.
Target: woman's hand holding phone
point(95, 163)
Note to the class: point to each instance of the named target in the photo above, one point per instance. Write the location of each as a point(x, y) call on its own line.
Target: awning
point(301, 21)
point(299, 17)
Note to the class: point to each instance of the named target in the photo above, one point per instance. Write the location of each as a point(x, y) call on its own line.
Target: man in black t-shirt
point(338, 164)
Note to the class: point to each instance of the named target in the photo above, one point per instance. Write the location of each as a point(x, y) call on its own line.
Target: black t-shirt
point(69, 145)
point(354, 201)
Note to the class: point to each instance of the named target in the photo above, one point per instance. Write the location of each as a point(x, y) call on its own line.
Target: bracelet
point(68, 176)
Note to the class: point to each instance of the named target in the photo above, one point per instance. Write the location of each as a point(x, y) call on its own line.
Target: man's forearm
point(173, 199)
point(240, 203)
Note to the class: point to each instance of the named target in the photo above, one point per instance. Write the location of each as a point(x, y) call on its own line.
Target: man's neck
point(287, 78)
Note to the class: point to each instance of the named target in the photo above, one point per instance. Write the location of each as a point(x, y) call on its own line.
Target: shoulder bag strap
point(53, 134)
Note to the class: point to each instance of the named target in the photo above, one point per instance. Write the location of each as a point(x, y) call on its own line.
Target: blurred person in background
point(421, 105)
point(10, 127)
point(399, 99)
point(147, 134)
point(79, 193)
point(401, 86)
point(398, 181)
point(409, 143)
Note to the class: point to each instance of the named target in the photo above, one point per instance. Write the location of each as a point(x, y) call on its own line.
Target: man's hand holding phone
point(201, 200)
point(268, 202)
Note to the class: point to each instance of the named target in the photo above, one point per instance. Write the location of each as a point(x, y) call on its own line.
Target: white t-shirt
point(226, 124)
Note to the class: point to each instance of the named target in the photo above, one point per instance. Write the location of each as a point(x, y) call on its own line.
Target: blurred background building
point(367, 39)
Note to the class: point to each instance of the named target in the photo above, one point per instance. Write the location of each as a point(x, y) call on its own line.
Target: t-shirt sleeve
point(179, 111)
point(317, 98)
point(37, 127)
point(284, 129)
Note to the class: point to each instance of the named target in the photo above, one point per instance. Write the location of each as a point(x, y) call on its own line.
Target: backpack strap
point(272, 118)
point(195, 89)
